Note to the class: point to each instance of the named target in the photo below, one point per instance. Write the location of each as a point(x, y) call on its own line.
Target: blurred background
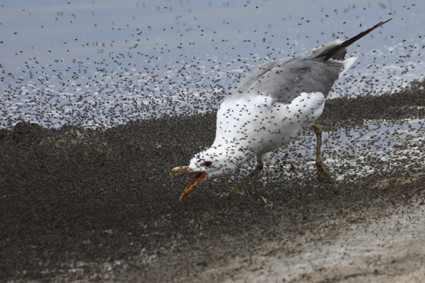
point(97, 64)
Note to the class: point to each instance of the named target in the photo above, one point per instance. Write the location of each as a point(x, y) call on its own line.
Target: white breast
point(259, 125)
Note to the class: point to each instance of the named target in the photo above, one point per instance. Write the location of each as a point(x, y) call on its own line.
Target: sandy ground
point(388, 249)
point(372, 245)
point(80, 205)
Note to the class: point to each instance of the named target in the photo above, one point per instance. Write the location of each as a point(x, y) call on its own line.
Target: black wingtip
point(337, 51)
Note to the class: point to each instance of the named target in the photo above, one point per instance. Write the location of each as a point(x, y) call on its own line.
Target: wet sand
point(86, 205)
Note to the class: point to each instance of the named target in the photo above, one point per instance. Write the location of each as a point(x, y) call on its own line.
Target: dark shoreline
point(73, 198)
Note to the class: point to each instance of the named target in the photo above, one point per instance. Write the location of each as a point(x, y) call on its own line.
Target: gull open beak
point(181, 169)
point(197, 176)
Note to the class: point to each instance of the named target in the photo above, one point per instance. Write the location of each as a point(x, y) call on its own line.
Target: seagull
point(269, 108)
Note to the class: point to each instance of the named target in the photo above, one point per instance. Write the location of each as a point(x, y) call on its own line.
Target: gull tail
point(336, 50)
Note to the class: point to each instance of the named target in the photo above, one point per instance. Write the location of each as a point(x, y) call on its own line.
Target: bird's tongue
point(197, 176)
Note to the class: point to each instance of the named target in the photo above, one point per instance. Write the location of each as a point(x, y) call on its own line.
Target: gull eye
point(207, 163)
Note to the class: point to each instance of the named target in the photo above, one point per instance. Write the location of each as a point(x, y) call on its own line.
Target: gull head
point(207, 164)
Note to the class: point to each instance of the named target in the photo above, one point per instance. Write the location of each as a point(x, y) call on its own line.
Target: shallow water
point(103, 63)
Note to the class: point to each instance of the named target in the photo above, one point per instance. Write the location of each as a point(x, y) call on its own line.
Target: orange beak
point(197, 176)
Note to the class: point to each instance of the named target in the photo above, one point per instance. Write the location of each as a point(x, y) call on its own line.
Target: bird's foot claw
point(238, 191)
point(324, 179)
point(323, 176)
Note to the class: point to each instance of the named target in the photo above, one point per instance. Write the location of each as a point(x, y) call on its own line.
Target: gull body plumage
point(271, 106)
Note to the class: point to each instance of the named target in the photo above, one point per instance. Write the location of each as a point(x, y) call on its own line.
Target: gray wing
point(284, 79)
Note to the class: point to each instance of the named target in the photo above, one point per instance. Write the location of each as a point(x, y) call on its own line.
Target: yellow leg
point(323, 176)
point(258, 168)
